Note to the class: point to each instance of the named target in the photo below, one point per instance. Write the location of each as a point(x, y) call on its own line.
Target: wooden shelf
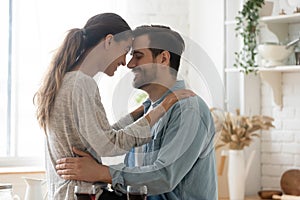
point(286, 68)
point(281, 19)
point(233, 69)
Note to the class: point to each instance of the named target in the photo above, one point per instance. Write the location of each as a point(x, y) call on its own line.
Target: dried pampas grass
point(236, 130)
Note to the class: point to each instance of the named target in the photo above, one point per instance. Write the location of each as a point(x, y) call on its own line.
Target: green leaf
point(247, 28)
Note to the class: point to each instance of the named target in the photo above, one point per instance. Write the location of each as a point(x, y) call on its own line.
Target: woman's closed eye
point(127, 49)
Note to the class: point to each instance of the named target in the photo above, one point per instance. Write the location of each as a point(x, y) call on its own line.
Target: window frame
point(9, 155)
point(43, 18)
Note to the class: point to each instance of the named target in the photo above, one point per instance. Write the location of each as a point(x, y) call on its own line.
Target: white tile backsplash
point(270, 182)
point(280, 148)
point(271, 170)
point(271, 147)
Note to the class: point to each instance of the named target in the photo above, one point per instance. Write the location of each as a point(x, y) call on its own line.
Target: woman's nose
point(123, 60)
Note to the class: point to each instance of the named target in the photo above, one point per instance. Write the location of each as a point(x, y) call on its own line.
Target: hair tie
point(83, 33)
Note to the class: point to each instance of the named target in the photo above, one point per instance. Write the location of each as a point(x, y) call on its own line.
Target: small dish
point(267, 194)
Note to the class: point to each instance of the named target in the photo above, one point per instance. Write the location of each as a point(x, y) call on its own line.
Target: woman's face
point(118, 52)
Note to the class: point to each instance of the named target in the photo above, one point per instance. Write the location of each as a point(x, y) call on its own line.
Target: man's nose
point(123, 60)
point(131, 64)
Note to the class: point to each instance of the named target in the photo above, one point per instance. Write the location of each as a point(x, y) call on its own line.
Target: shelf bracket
point(275, 82)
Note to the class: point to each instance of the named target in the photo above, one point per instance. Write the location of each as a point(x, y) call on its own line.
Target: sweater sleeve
point(94, 128)
point(123, 122)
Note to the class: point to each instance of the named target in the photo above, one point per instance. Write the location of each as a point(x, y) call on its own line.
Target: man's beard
point(145, 79)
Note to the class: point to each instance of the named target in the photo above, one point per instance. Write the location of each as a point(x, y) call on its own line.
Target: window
point(5, 77)
point(30, 31)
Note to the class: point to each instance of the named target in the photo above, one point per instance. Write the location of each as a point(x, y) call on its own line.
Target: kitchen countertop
point(21, 170)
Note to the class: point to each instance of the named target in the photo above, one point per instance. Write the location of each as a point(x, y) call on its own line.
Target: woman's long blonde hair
point(71, 53)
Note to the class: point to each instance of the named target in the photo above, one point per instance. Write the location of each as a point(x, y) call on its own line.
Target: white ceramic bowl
point(274, 54)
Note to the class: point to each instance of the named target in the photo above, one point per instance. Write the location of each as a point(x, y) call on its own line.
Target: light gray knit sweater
point(78, 119)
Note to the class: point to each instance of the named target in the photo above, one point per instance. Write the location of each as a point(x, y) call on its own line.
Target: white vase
point(236, 174)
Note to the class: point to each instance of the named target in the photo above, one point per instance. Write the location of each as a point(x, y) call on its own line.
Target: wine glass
point(85, 192)
point(135, 192)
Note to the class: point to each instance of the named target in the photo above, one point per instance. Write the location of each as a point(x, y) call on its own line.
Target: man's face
point(142, 63)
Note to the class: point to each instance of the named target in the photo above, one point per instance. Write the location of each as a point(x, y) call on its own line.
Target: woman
point(69, 107)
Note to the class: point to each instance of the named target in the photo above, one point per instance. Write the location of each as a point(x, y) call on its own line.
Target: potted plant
point(247, 28)
point(237, 132)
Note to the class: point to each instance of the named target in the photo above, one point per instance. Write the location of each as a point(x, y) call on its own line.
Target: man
point(179, 163)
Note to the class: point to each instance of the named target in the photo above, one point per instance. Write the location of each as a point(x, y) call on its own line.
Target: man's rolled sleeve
point(116, 172)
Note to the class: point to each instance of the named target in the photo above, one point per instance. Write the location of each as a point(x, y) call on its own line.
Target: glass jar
point(6, 192)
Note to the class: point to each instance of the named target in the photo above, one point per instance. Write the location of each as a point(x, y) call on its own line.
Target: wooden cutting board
point(286, 197)
point(290, 182)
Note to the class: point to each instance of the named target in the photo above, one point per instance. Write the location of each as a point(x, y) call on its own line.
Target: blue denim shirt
point(179, 163)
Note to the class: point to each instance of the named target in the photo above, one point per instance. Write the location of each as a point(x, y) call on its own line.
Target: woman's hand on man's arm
point(154, 115)
point(83, 168)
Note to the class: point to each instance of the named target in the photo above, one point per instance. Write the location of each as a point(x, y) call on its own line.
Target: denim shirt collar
point(177, 86)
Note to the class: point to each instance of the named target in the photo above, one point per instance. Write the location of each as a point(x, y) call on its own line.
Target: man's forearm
point(137, 113)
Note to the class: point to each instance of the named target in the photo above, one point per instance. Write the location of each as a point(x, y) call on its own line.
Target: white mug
point(6, 192)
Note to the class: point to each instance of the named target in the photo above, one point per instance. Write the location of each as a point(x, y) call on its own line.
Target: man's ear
point(108, 40)
point(165, 58)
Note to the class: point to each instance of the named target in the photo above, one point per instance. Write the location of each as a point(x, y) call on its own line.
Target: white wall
point(201, 24)
point(207, 28)
point(280, 148)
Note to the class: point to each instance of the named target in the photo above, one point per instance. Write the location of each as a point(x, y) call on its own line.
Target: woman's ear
point(108, 41)
point(165, 58)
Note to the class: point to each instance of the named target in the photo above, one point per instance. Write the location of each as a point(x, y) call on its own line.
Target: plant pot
point(237, 173)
